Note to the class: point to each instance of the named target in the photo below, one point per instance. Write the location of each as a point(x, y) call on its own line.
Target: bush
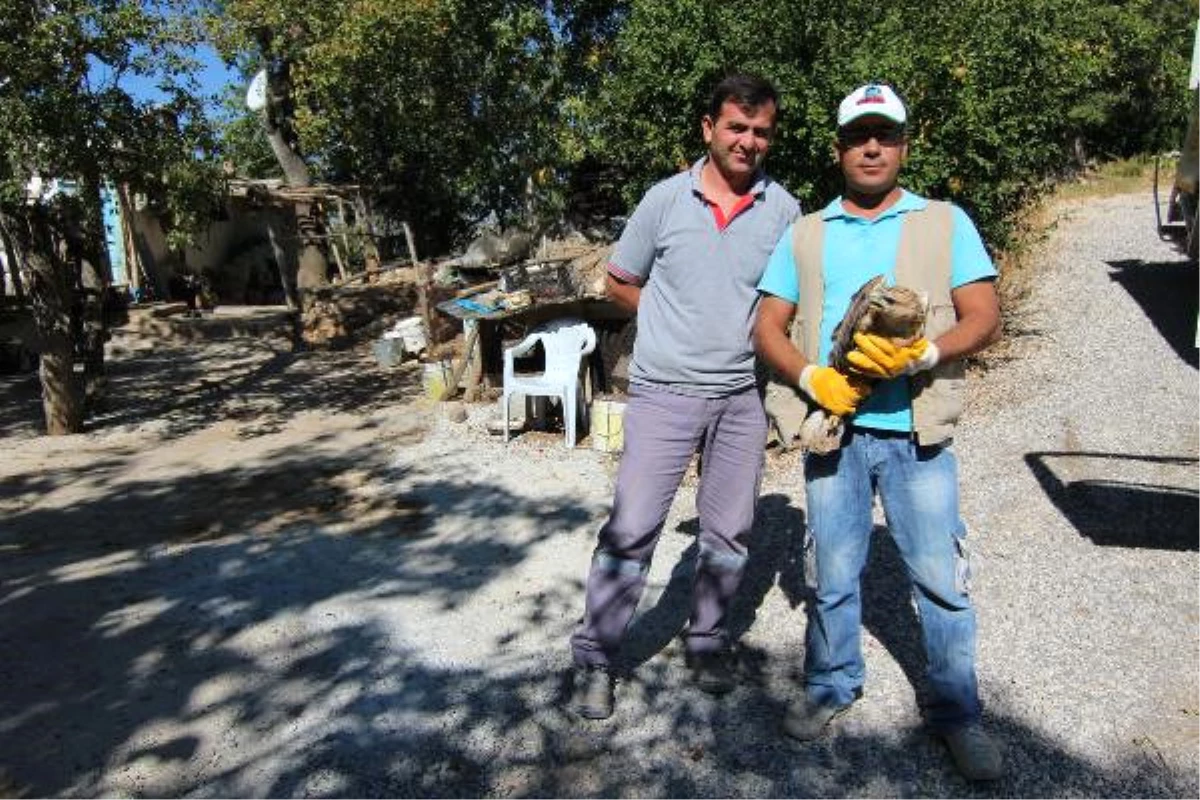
point(1006, 96)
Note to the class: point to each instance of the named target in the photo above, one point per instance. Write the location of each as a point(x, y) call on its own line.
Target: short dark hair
point(748, 91)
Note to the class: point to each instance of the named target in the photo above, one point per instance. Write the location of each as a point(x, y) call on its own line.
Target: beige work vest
point(923, 259)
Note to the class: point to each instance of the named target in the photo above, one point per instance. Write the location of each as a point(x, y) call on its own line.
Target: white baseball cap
point(874, 98)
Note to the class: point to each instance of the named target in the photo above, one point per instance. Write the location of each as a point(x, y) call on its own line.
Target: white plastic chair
point(565, 342)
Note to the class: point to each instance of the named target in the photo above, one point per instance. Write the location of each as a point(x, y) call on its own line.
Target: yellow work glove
point(833, 391)
point(879, 357)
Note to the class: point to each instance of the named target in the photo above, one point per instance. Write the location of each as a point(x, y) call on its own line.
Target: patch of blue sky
point(212, 80)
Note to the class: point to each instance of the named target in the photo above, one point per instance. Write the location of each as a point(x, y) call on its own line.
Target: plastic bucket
point(608, 426)
point(388, 352)
point(436, 377)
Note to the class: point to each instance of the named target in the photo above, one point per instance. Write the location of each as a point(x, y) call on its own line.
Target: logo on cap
point(872, 94)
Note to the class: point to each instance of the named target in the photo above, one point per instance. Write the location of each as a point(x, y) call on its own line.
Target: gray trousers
point(662, 432)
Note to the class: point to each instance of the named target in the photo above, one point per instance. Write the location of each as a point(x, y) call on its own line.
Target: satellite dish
point(256, 95)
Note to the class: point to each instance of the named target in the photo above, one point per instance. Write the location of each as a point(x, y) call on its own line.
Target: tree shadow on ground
point(1137, 511)
point(888, 611)
point(145, 664)
point(208, 670)
point(118, 617)
point(21, 399)
point(776, 558)
point(209, 638)
point(1169, 294)
point(773, 558)
point(262, 383)
point(183, 387)
point(318, 482)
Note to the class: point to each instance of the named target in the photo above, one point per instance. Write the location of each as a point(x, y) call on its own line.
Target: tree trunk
point(95, 276)
point(50, 300)
point(282, 262)
point(62, 397)
point(312, 270)
point(93, 335)
point(12, 259)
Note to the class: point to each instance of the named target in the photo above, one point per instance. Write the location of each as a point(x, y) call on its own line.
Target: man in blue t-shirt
point(885, 447)
point(688, 263)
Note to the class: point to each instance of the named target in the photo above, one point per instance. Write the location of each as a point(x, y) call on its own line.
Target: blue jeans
point(919, 490)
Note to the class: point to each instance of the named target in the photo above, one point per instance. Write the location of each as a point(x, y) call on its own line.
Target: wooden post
point(424, 286)
point(12, 258)
point(333, 248)
point(341, 208)
point(452, 385)
point(337, 257)
point(133, 256)
point(474, 358)
point(275, 235)
point(362, 223)
point(412, 248)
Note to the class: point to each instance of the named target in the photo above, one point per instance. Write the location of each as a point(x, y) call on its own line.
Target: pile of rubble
point(358, 309)
point(340, 315)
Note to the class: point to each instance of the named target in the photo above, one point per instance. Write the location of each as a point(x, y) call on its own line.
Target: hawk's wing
point(843, 334)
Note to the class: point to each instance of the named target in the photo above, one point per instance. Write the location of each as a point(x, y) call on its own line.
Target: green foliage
point(445, 108)
point(448, 108)
point(243, 147)
point(1005, 95)
point(67, 116)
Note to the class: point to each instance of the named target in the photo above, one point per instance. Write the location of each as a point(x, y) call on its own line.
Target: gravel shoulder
point(272, 574)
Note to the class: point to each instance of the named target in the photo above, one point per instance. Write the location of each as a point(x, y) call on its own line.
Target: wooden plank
point(452, 384)
point(474, 358)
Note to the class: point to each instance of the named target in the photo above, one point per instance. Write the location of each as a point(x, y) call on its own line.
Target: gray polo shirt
point(699, 281)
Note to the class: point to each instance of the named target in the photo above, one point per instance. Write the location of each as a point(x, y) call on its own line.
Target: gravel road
point(387, 612)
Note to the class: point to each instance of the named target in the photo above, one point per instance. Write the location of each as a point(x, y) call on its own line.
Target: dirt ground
point(264, 572)
point(212, 452)
point(232, 425)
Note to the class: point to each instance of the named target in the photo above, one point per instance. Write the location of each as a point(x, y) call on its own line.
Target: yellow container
point(436, 377)
point(608, 426)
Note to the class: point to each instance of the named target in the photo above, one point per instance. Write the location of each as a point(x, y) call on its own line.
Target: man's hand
point(836, 393)
point(878, 357)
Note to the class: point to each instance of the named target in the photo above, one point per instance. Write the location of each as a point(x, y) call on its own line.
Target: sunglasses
point(886, 135)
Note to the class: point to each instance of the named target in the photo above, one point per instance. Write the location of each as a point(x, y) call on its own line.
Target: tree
point(1004, 93)
point(456, 111)
point(445, 109)
point(69, 124)
point(272, 38)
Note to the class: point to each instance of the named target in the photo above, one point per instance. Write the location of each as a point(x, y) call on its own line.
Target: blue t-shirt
point(698, 279)
point(856, 250)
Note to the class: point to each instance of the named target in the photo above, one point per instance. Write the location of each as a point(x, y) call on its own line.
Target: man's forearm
point(978, 322)
point(624, 296)
point(964, 340)
point(771, 340)
point(780, 354)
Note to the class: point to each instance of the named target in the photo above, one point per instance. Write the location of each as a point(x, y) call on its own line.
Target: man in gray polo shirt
point(688, 262)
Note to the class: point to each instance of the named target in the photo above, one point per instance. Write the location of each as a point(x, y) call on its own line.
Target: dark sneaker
point(714, 672)
point(593, 695)
point(806, 720)
point(975, 754)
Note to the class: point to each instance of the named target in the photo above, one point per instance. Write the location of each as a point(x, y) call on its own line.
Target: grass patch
point(1128, 175)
